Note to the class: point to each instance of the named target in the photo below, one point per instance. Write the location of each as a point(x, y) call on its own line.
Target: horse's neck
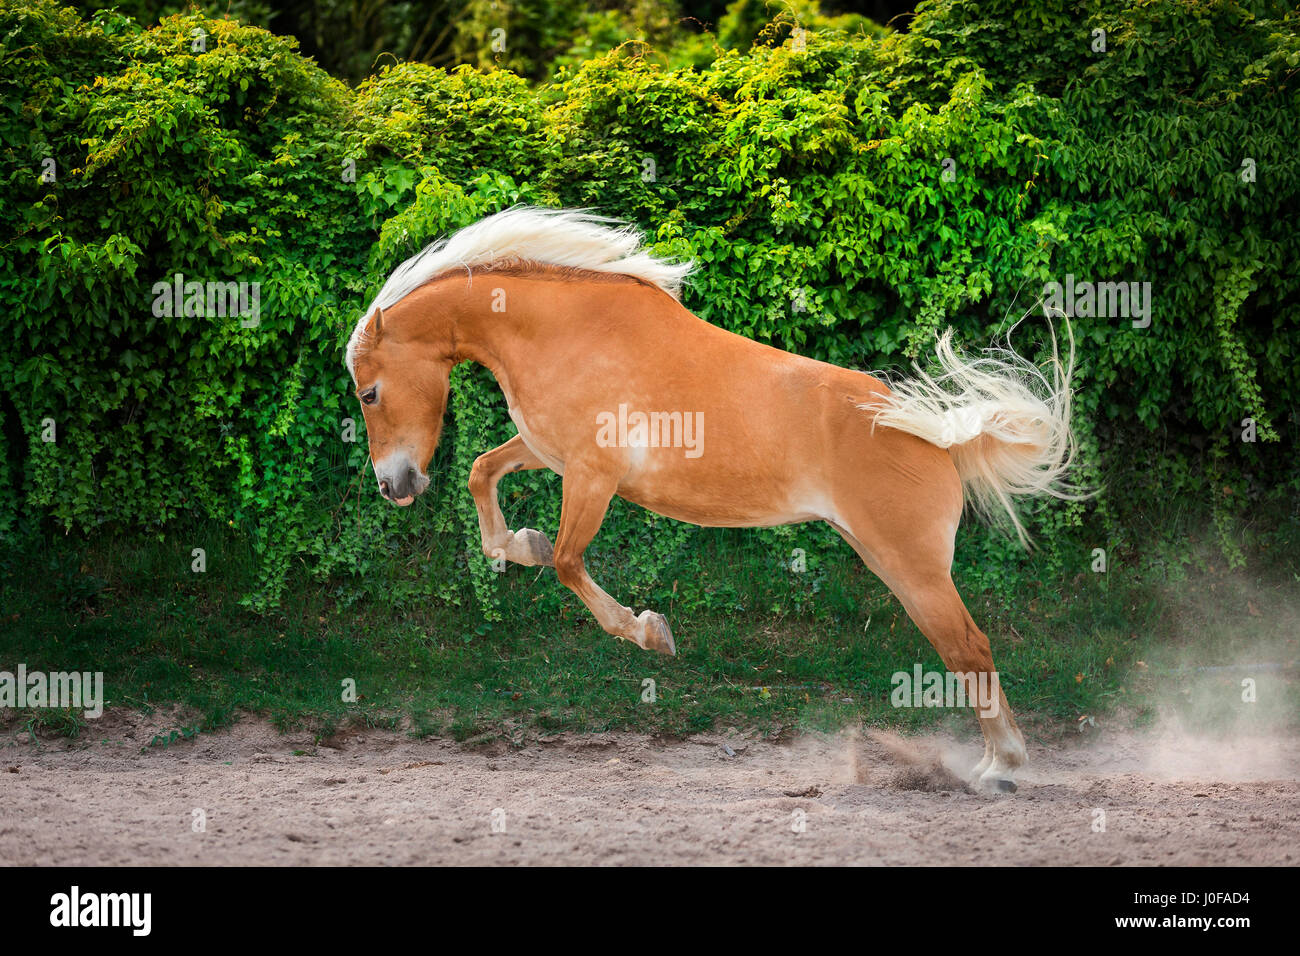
point(476, 334)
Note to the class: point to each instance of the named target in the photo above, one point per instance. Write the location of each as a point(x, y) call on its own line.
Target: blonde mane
point(563, 238)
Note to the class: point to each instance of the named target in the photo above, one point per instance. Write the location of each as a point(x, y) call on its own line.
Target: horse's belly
point(754, 506)
point(718, 518)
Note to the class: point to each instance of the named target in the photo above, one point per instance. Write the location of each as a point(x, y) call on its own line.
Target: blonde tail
point(1004, 421)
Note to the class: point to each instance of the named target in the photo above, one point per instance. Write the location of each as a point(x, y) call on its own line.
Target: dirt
point(371, 797)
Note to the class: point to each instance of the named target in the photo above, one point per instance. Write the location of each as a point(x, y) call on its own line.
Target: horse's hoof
point(658, 636)
point(538, 547)
point(994, 784)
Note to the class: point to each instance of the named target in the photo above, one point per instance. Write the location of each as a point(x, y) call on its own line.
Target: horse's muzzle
point(402, 484)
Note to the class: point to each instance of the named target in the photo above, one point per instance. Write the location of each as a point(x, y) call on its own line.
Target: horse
point(614, 385)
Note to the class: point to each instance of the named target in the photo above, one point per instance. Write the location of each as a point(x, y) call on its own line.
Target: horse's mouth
point(401, 482)
point(402, 501)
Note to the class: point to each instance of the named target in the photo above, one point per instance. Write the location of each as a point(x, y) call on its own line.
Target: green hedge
point(845, 200)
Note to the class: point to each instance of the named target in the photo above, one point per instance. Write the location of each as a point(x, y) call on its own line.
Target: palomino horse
point(615, 386)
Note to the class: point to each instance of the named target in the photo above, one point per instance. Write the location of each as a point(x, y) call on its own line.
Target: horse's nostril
point(383, 488)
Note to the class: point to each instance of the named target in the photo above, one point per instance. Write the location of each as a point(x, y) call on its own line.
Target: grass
point(757, 649)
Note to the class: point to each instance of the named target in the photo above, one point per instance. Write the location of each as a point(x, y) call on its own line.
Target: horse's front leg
point(586, 496)
point(525, 546)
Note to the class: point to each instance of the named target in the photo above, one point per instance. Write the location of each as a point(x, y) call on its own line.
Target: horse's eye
point(368, 397)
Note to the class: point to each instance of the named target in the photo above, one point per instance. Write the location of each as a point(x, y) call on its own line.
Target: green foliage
point(522, 36)
point(353, 39)
point(846, 198)
point(768, 22)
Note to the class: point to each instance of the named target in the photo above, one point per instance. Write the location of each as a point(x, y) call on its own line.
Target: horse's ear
point(377, 327)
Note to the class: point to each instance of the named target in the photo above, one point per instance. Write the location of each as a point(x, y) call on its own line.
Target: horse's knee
point(479, 480)
point(570, 569)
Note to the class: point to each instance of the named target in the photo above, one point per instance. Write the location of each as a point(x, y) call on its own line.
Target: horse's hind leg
point(932, 601)
point(907, 540)
point(939, 612)
point(525, 546)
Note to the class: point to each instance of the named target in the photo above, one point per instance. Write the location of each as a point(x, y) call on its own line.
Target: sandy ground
point(383, 798)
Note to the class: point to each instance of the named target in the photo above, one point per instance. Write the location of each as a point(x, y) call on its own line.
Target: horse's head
point(403, 395)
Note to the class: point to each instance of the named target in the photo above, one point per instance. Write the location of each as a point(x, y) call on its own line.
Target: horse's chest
point(538, 447)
